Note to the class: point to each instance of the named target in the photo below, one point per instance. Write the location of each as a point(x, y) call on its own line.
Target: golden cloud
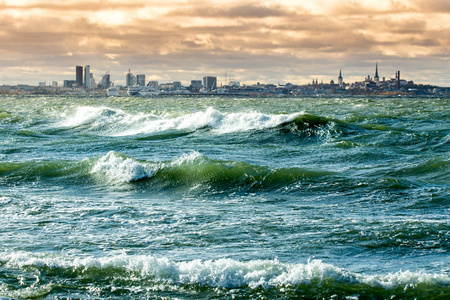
point(212, 35)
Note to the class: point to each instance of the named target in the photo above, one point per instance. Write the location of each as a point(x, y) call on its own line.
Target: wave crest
point(116, 122)
point(188, 170)
point(220, 273)
point(120, 168)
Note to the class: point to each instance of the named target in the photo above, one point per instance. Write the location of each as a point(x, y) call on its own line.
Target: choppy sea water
point(221, 197)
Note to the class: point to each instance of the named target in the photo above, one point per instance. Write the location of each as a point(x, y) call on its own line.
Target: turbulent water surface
point(220, 197)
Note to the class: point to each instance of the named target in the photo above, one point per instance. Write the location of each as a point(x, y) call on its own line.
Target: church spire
point(376, 78)
point(340, 79)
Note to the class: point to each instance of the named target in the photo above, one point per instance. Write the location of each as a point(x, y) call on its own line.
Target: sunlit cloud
point(254, 40)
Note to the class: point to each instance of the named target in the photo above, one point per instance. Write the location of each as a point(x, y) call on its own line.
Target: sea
point(222, 197)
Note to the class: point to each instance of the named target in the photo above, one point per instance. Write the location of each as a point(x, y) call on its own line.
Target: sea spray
point(189, 169)
point(122, 169)
point(221, 273)
point(116, 122)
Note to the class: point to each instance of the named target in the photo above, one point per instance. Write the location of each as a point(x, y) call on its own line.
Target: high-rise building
point(130, 79)
point(106, 81)
point(92, 84)
point(140, 79)
point(79, 75)
point(87, 77)
point(209, 83)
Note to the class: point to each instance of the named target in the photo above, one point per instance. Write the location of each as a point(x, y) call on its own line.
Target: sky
point(248, 41)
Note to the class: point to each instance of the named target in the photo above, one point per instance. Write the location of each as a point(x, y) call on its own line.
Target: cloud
point(265, 39)
point(245, 10)
point(68, 5)
point(435, 6)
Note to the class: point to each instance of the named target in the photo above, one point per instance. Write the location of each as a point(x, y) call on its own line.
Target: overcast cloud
point(250, 41)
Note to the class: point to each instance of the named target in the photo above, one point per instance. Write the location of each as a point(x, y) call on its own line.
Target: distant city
point(136, 85)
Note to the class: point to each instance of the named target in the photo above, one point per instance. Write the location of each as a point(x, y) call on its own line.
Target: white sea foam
point(225, 273)
point(221, 122)
point(109, 120)
point(117, 168)
point(236, 122)
point(187, 158)
point(116, 122)
point(122, 169)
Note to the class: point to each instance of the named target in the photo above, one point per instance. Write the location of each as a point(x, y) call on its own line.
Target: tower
point(376, 78)
point(130, 79)
point(340, 79)
point(79, 76)
point(87, 76)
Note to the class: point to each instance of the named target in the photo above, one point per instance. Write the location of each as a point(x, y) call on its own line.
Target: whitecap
point(115, 122)
point(222, 273)
point(118, 168)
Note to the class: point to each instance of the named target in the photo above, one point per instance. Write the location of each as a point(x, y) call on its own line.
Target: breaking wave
point(119, 167)
point(115, 122)
point(196, 170)
point(193, 169)
point(188, 169)
point(149, 275)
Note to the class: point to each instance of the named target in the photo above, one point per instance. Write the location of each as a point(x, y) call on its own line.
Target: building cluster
point(370, 85)
point(84, 83)
point(85, 79)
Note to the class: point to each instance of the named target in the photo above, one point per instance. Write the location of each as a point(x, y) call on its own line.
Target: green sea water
point(204, 197)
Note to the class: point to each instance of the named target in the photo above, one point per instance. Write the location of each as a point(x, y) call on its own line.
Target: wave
point(189, 170)
point(102, 119)
point(194, 170)
point(305, 122)
point(8, 117)
point(436, 169)
point(151, 274)
point(118, 167)
point(159, 125)
point(32, 170)
point(4, 114)
point(116, 122)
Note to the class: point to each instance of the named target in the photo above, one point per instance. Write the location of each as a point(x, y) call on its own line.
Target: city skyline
point(250, 42)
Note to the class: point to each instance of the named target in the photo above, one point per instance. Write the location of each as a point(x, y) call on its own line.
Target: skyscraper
point(87, 77)
point(79, 75)
point(106, 81)
point(92, 84)
point(130, 79)
point(140, 79)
